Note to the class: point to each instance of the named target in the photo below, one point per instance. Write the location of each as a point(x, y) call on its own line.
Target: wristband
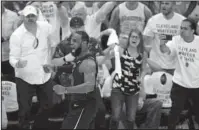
point(55, 68)
point(69, 58)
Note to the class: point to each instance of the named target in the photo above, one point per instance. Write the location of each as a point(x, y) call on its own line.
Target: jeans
point(150, 114)
point(152, 108)
point(117, 101)
point(25, 92)
point(6, 68)
point(179, 95)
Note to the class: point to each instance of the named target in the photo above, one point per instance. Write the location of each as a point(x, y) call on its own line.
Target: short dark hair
point(193, 24)
point(76, 22)
point(84, 36)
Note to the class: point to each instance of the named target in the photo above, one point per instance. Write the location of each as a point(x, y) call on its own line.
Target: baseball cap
point(76, 22)
point(29, 9)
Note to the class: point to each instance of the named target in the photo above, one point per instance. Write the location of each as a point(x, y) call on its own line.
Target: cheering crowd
point(89, 61)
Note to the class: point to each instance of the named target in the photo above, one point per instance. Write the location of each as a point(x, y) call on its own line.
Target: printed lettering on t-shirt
point(187, 54)
point(168, 30)
point(6, 88)
point(162, 91)
point(131, 22)
point(163, 95)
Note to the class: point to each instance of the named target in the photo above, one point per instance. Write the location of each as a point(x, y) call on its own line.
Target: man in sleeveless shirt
point(82, 93)
point(129, 15)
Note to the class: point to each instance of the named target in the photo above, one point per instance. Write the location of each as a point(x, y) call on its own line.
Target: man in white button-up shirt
point(30, 49)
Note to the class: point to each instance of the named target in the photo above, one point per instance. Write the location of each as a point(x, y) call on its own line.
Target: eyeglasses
point(36, 43)
point(135, 37)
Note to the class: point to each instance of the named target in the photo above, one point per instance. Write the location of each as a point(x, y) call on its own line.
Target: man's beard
point(78, 51)
point(167, 12)
point(31, 21)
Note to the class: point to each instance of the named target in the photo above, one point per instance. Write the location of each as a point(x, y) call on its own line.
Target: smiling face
point(31, 18)
point(79, 12)
point(134, 39)
point(186, 30)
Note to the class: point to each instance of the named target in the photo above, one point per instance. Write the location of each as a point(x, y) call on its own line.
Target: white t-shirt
point(40, 16)
point(66, 30)
point(148, 85)
point(162, 90)
point(187, 68)
point(91, 10)
point(50, 12)
point(159, 25)
point(92, 27)
point(9, 24)
point(9, 93)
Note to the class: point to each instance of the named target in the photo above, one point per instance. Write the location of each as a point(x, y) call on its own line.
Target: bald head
point(79, 10)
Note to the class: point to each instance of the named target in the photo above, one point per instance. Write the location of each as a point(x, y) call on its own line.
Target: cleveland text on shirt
point(160, 25)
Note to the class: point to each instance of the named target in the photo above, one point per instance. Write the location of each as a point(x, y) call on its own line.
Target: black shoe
point(113, 124)
point(129, 125)
point(27, 126)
